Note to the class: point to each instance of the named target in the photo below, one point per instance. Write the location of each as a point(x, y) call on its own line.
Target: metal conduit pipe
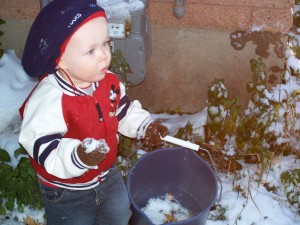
point(179, 8)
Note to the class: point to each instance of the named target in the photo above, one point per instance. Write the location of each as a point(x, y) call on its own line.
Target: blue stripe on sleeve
point(53, 139)
point(124, 101)
point(52, 146)
point(75, 161)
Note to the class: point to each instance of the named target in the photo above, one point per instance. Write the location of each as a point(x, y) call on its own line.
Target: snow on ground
point(121, 9)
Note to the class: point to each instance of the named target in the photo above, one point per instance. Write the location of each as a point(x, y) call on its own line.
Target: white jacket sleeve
point(133, 120)
point(42, 133)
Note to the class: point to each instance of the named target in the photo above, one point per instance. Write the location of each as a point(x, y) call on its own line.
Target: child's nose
point(103, 54)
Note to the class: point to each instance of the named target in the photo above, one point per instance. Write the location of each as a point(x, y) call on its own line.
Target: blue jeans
point(107, 204)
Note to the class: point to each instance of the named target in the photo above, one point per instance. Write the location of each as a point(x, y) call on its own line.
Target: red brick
point(273, 19)
point(273, 3)
point(19, 9)
point(221, 2)
point(205, 16)
point(252, 3)
point(212, 16)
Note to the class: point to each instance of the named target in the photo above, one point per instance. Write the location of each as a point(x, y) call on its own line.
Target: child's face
point(87, 55)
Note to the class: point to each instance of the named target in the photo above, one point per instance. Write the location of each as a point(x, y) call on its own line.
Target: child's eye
point(90, 52)
point(106, 43)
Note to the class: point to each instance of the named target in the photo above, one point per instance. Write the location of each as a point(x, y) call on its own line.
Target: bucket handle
point(195, 147)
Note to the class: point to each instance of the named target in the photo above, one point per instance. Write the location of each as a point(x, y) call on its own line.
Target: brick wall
point(273, 15)
point(19, 9)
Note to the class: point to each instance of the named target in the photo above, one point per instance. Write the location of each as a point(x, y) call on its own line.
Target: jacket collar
point(68, 88)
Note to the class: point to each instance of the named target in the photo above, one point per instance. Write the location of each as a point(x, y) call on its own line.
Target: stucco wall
point(189, 53)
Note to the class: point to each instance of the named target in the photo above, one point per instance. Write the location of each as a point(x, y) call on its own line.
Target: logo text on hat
point(76, 17)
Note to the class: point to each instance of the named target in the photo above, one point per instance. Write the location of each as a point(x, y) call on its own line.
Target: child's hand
point(92, 152)
point(153, 133)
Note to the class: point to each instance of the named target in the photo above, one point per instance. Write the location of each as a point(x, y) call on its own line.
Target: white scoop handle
point(180, 142)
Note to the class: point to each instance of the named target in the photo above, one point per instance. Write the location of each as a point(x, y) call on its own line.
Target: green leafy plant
point(253, 134)
point(127, 154)
point(296, 16)
point(185, 133)
point(120, 67)
point(1, 34)
point(222, 112)
point(291, 181)
point(251, 130)
point(4, 171)
point(18, 185)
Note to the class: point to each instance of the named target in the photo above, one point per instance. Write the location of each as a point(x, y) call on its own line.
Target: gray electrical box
point(133, 38)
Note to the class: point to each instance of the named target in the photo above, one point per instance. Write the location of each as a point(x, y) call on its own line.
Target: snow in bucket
point(165, 209)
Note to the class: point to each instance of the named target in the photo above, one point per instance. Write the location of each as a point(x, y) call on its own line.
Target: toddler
point(72, 118)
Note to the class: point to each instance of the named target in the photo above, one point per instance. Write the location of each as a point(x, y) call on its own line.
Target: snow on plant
point(291, 180)
point(271, 123)
point(220, 119)
point(270, 120)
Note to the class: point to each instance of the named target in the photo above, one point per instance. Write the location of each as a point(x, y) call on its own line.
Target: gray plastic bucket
point(179, 171)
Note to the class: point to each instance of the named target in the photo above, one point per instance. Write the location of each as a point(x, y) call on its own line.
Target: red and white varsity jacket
point(57, 117)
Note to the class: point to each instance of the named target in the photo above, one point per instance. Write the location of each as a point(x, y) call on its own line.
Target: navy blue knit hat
point(51, 30)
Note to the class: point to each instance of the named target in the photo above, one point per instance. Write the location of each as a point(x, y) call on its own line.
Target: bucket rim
point(204, 210)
